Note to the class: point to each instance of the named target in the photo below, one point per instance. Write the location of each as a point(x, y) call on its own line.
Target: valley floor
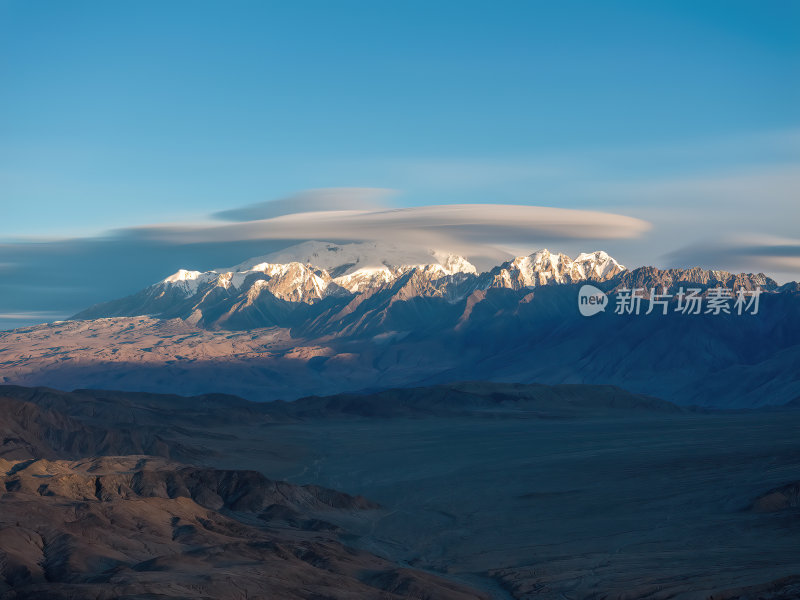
point(647, 507)
point(483, 490)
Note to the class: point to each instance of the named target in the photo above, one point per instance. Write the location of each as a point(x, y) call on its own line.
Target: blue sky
point(122, 114)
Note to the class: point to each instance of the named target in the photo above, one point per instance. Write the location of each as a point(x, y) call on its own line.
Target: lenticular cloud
point(461, 225)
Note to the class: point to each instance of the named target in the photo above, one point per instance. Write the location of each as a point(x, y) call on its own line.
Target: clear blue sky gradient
point(120, 113)
point(125, 113)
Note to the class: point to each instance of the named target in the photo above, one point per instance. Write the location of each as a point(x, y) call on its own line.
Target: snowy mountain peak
point(182, 275)
point(544, 267)
point(187, 281)
point(453, 263)
point(345, 259)
point(597, 255)
point(598, 265)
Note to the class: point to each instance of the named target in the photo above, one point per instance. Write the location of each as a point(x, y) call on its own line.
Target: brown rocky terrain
point(139, 527)
point(79, 520)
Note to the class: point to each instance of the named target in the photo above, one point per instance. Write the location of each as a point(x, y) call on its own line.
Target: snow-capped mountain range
point(310, 271)
point(313, 271)
point(324, 318)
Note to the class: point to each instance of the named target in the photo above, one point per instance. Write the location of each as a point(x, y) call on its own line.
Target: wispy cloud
point(44, 315)
point(14, 320)
point(325, 199)
point(741, 188)
point(755, 253)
